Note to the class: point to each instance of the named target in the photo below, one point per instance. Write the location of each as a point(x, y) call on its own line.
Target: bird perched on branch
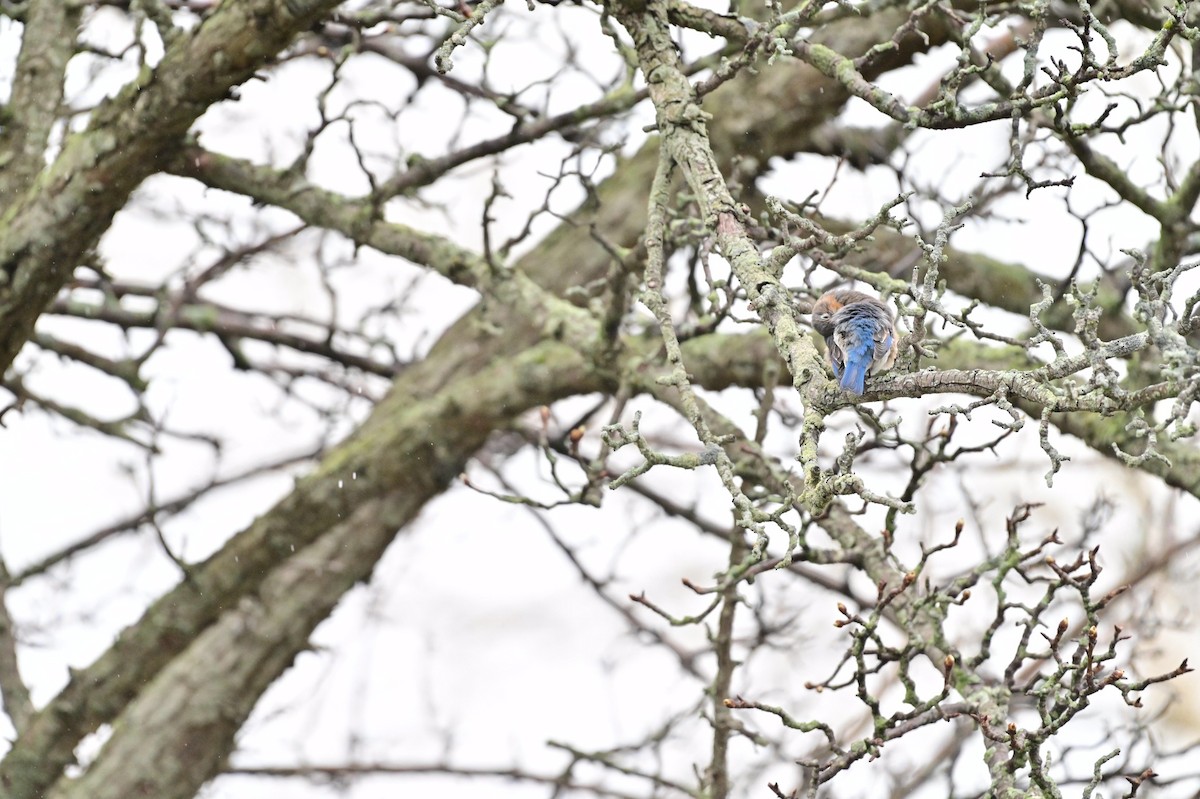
point(860, 333)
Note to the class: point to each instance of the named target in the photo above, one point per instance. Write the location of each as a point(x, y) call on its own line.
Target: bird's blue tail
point(858, 360)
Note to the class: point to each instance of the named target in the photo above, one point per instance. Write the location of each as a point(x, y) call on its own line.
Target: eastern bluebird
point(860, 333)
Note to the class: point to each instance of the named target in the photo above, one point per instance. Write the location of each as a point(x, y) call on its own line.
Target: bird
point(860, 332)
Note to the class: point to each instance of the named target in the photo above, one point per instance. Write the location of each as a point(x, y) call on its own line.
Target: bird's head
point(823, 311)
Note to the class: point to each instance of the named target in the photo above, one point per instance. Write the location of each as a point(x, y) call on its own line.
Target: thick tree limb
point(47, 44)
point(177, 733)
point(410, 450)
point(47, 229)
